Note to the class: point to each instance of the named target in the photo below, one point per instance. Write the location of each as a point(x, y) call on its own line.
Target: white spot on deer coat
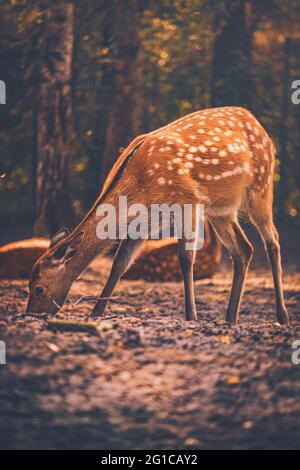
point(161, 181)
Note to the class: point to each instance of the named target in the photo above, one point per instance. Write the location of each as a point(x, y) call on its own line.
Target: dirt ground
point(150, 380)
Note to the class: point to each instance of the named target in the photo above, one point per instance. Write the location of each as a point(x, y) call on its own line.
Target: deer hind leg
point(124, 257)
point(260, 213)
point(240, 250)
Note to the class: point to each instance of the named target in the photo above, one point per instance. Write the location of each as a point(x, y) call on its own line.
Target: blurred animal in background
point(17, 258)
point(156, 262)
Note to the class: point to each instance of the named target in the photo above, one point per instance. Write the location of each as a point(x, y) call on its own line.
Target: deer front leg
point(124, 257)
point(187, 259)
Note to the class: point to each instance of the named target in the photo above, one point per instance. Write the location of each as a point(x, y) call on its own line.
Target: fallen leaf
point(225, 339)
point(233, 380)
point(191, 442)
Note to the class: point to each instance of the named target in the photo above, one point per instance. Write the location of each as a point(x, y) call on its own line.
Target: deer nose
point(28, 307)
point(31, 306)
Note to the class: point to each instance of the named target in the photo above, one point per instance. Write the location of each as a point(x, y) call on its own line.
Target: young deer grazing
point(220, 157)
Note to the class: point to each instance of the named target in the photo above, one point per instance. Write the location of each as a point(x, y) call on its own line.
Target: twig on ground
point(56, 304)
point(86, 298)
point(31, 314)
point(62, 325)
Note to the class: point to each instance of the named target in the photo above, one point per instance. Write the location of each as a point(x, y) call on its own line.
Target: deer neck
point(91, 245)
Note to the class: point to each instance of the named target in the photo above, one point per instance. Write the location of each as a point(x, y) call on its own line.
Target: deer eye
point(38, 291)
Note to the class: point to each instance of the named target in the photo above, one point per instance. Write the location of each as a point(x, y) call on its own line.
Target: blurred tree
point(136, 66)
point(105, 93)
point(120, 124)
point(54, 121)
point(282, 192)
point(232, 80)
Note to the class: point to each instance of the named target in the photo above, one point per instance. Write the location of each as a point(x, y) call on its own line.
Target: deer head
point(52, 275)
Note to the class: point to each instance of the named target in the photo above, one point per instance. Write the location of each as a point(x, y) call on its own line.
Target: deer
point(220, 157)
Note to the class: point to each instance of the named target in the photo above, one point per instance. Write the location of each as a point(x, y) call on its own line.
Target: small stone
point(133, 338)
point(247, 425)
point(119, 309)
point(105, 325)
point(53, 347)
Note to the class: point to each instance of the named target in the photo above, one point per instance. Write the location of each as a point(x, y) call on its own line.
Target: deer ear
point(58, 236)
point(67, 250)
point(76, 241)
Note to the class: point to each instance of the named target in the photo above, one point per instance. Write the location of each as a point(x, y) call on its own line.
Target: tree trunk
point(120, 126)
point(105, 96)
point(283, 186)
point(55, 134)
point(232, 81)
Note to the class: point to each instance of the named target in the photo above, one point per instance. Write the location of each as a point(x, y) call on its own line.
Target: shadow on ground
point(151, 380)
